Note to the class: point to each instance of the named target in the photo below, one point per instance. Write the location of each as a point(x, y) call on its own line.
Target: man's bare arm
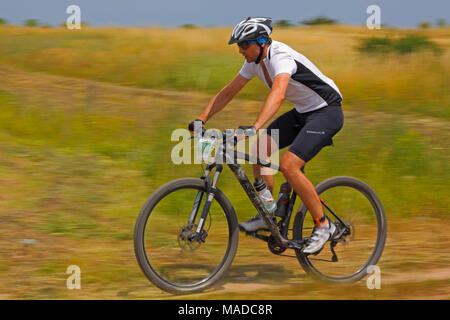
point(274, 100)
point(222, 98)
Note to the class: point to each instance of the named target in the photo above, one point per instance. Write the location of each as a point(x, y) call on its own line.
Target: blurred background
point(86, 117)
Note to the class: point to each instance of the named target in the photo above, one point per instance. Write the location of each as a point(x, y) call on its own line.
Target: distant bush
point(414, 43)
point(283, 23)
point(3, 21)
point(188, 26)
point(31, 23)
point(441, 22)
point(424, 25)
point(318, 21)
point(407, 44)
point(376, 45)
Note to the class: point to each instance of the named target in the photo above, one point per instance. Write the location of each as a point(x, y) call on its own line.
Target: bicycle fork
point(200, 234)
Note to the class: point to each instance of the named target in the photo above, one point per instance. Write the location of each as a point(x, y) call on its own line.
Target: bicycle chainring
point(275, 247)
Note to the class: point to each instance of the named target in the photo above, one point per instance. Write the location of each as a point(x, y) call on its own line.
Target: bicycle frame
point(280, 239)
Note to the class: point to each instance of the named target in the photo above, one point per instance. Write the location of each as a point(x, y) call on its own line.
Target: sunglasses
point(245, 44)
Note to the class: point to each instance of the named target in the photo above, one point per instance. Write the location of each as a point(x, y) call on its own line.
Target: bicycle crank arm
point(278, 237)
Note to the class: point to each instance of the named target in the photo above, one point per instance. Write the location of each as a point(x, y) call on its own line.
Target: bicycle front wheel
point(361, 211)
point(163, 247)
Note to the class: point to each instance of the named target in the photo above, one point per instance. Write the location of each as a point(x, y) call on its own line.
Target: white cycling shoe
point(319, 237)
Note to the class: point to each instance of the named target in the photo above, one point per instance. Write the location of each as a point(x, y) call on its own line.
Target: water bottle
point(204, 148)
point(283, 200)
point(265, 195)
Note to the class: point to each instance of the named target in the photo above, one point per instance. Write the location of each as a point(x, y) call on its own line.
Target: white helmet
point(251, 29)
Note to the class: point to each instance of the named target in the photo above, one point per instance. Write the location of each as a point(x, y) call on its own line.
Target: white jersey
point(309, 89)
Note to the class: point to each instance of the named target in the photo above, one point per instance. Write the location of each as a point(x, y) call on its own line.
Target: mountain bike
point(186, 234)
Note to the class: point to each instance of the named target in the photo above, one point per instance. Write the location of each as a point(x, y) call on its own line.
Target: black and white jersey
point(309, 89)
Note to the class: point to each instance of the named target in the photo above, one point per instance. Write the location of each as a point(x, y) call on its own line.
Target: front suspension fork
point(210, 191)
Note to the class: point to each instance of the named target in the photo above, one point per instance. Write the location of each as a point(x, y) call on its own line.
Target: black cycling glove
point(197, 122)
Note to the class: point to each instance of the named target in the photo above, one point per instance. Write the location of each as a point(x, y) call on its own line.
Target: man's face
point(250, 51)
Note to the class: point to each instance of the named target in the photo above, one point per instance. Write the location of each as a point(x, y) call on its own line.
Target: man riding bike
point(316, 117)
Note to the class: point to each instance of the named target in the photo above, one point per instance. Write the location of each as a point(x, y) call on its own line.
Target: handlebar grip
point(195, 124)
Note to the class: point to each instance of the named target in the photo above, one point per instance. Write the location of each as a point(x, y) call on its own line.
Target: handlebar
point(227, 135)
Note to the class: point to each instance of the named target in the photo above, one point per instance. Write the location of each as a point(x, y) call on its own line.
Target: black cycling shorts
point(307, 133)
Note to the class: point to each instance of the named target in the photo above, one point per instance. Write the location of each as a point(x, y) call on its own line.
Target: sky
point(172, 13)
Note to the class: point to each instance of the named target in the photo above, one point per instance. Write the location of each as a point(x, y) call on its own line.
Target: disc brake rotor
point(184, 237)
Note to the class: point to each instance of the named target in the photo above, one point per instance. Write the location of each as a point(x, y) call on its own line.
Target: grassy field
point(85, 124)
point(199, 60)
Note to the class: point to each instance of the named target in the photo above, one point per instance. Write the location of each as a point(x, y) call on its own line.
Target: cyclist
point(316, 117)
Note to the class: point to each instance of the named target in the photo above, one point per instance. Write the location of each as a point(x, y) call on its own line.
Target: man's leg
point(290, 167)
point(263, 149)
point(318, 131)
point(324, 229)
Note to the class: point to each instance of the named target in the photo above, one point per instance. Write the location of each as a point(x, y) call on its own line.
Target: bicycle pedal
point(295, 245)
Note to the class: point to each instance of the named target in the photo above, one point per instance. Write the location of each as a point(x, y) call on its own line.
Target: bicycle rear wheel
point(161, 238)
point(358, 207)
